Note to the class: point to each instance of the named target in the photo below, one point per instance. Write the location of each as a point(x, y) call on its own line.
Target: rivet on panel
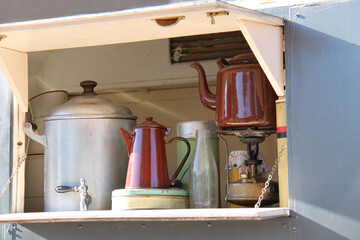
point(300, 16)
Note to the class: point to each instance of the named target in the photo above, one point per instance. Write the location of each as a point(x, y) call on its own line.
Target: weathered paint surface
point(4, 147)
point(165, 230)
point(322, 59)
point(322, 69)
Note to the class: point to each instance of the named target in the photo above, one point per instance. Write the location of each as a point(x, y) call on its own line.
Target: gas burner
point(246, 190)
point(256, 134)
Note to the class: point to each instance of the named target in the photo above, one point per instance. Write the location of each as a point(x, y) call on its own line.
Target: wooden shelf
point(218, 214)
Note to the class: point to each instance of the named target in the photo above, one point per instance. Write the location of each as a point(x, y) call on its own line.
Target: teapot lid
point(89, 105)
point(149, 123)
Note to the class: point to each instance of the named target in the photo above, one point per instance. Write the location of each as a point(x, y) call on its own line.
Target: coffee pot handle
point(184, 159)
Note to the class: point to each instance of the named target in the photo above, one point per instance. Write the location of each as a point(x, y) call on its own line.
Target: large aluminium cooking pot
point(244, 96)
point(84, 152)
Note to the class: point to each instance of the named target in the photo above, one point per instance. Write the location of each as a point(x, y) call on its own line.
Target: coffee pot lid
point(149, 123)
point(89, 105)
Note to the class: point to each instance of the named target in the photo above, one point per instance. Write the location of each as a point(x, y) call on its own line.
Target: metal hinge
point(12, 231)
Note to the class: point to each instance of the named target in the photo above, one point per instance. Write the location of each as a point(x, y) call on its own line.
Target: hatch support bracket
point(14, 67)
point(266, 42)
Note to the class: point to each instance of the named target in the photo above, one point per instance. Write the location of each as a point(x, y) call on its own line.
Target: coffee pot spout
point(208, 99)
point(129, 139)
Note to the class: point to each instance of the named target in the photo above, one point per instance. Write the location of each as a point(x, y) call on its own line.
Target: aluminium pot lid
point(89, 106)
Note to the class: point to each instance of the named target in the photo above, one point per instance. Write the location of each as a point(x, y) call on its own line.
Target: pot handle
point(173, 179)
point(30, 131)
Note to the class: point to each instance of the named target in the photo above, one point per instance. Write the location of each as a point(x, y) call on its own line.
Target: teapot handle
point(222, 63)
point(184, 159)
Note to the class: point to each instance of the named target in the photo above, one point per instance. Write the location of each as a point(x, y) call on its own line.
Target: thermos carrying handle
point(184, 159)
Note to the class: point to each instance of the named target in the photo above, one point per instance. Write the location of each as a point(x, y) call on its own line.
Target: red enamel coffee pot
point(147, 158)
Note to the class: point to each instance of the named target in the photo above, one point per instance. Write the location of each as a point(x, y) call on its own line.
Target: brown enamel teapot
point(244, 96)
point(147, 157)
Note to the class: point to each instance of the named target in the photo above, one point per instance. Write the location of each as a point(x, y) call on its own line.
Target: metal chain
point(20, 162)
point(267, 183)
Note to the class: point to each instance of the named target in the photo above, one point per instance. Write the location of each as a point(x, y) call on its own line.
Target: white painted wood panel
point(14, 66)
point(265, 42)
point(125, 26)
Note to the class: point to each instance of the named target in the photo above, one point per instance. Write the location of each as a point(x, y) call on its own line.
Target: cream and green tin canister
point(188, 130)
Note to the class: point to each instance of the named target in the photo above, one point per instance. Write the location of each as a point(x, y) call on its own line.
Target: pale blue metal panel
point(323, 92)
point(5, 98)
point(5, 102)
point(249, 230)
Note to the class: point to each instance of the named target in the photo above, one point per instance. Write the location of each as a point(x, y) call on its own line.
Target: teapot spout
point(129, 139)
point(208, 99)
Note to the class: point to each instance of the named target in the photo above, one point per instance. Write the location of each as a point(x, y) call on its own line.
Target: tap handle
point(65, 189)
point(85, 198)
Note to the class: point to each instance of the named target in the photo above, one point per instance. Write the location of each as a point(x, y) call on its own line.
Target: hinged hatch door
point(262, 31)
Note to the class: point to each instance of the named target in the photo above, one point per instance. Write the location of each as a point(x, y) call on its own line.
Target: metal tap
point(85, 198)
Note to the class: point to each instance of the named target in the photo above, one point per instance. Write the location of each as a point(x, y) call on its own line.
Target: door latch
point(217, 13)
